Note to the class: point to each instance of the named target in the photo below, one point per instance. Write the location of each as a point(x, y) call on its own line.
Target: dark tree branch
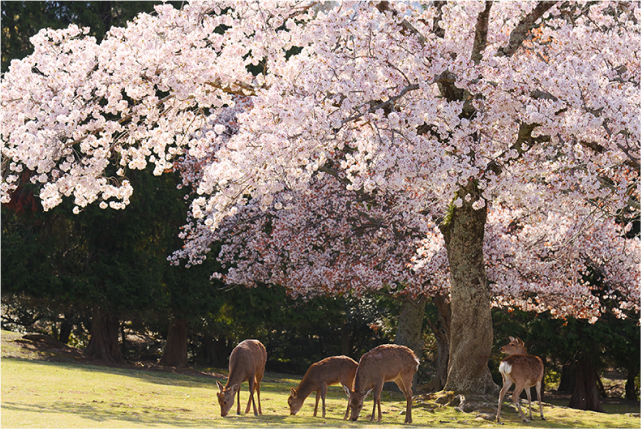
point(480, 36)
point(383, 104)
point(438, 31)
point(407, 27)
point(521, 31)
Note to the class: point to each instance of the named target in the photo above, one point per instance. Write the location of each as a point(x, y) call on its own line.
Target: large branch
point(382, 105)
point(480, 36)
point(523, 28)
point(524, 140)
point(438, 16)
point(407, 27)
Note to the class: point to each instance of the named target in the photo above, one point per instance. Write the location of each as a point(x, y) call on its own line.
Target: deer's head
point(226, 397)
point(515, 347)
point(294, 402)
point(356, 399)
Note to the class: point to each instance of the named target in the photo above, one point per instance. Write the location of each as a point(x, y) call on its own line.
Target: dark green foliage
point(296, 333)
point(23, 19)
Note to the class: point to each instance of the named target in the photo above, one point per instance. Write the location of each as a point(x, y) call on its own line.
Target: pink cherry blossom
point(331, 170)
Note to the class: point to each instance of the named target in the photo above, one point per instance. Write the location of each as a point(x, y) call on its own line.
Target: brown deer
point(246, 363)
point(331, 370)
point(388, 362)
point(524, 371)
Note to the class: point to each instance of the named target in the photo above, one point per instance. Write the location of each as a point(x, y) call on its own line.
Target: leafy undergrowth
point(41, 393)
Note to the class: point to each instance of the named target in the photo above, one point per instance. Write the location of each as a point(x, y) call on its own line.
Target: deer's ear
point(220, 386)
point(347, 392)
point(368, 392)
point(512, 339)
point(520, 341)
point(235, 388)
point(294, 394)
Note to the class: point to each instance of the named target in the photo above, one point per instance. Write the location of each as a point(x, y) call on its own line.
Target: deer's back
point(247, 359)
point(528, 367)
point(387, 362)
point(332, 370)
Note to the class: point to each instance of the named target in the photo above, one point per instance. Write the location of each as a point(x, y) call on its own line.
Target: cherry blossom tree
point(488, 149)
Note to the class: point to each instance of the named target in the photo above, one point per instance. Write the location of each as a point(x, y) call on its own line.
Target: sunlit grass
point(47, 395)
point(43, 394)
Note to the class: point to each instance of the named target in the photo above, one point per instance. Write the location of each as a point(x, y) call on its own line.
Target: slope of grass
point(52, 394)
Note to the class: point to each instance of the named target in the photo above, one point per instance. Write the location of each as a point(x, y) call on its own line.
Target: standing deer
point(524, 371)
point(331, 370)
point(388, 362)
point(246, 363)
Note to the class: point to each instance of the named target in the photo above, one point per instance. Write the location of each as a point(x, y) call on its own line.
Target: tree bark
point(585, 395)
point(208, 348)
point(471, 327)
point(104, 337)
point(66, 327)
point(346, 340)
point(567, 378)
point(409, 332)
point(441, 330)
point(630, 388)
point(175, 352)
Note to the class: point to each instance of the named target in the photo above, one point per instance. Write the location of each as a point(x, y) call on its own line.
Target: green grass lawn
point(43, 394)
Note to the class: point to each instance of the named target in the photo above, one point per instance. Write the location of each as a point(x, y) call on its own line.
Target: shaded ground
point(44, 347)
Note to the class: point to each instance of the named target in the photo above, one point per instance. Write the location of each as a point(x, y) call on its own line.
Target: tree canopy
point(488, 149)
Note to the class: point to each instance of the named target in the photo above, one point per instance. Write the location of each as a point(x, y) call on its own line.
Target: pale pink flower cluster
point(336, 174)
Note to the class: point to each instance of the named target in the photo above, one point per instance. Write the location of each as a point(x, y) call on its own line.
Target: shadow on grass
point(166, 378)
point(143, 416)
point(150, 376)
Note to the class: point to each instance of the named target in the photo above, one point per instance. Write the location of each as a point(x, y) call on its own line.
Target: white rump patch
point(505, 368)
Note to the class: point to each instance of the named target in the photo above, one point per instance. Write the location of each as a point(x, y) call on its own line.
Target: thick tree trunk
point(104, 337)
point(346, 340)
point(208, 348)
point(409, 332)
point(66, 327)
point(567, 378)
point(441, 330)
point(630, 388)
point(471, 328)
point(175, 352)
point(585, 395)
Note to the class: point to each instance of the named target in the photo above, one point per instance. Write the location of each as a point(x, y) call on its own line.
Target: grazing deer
point(524, 371)
point(331, 370)
point(246, 363)
point(388, 362)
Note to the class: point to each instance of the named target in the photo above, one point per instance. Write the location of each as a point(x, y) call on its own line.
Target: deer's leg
point(507, 383)
point(538, 394)
point(258, 380)
point(317, 398)
point(238, 401)
point(406, 388)
point(529, 400)
point(347, 410)
point(516, 398)
point(250, 402)
point(408, 396)
point(377, 401)
point(323, 393)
